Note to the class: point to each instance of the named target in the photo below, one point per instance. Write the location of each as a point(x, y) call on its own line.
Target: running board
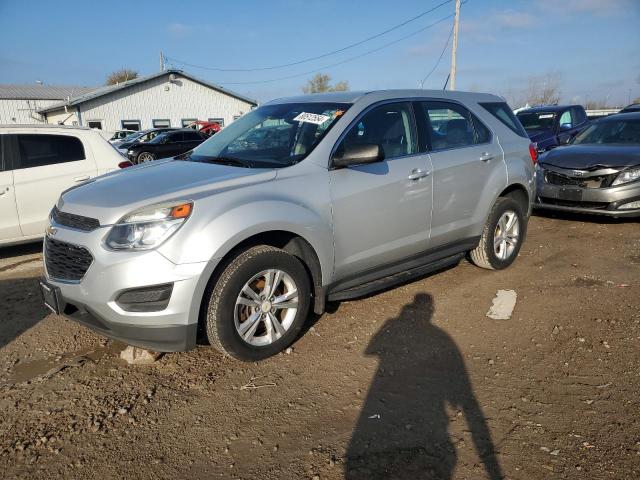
point(395, 279)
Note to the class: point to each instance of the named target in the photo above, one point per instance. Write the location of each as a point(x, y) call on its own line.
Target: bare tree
point(120, 76)
point(322, 83)
point(543, 90)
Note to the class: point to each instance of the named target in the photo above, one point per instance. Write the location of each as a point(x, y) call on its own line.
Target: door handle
point(486, 156)
point(4, 191)
point(417, 174)
point(82, 178)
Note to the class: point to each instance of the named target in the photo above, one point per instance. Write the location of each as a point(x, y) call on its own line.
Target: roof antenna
point(444, 87)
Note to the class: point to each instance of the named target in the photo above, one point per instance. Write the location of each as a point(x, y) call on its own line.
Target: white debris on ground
point(139, 356)
point(503, 304)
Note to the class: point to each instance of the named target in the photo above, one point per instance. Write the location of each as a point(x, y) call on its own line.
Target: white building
point(166, 99)
point(20, 104)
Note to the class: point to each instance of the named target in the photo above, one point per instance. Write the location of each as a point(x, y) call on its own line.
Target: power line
point(356, 57)
point(317, 57)
point(444, 49)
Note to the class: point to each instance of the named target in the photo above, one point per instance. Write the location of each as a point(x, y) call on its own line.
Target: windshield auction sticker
point(312, 118)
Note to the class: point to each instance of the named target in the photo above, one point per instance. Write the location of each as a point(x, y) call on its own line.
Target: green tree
point(120, 76)
point(322, 83)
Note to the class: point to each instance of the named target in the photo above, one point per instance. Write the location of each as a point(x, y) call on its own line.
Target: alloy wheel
point(506, 235)
point(266, 307)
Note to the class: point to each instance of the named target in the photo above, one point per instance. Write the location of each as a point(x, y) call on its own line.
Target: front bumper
point(595, 201)
point(91, 301)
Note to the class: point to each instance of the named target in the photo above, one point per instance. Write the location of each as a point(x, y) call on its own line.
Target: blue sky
point(592, 46)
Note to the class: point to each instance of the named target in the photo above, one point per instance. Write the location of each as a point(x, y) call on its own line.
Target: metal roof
point(41, 92)
point(101, 91)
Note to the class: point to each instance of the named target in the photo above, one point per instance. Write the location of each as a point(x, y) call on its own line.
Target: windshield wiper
point(233, 161)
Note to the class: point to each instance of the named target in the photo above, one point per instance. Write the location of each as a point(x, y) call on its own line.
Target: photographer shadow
point(403, 429)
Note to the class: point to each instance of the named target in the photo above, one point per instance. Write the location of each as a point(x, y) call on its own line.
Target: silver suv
point(303, 200)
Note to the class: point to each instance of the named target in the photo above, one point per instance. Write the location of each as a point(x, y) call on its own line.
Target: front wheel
point(502, 235)
point(258, 305)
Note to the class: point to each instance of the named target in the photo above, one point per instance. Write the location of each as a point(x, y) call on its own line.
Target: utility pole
point(454, 49)
point(161, 62)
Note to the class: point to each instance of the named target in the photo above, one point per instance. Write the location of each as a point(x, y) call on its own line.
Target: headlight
point(149, 227)
point(627, 176)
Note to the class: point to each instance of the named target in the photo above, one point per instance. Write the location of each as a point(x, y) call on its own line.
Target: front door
point(381, 211)
point(48, 164)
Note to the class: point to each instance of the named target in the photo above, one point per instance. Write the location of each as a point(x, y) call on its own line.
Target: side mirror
point(358, 155)
point(565, 126)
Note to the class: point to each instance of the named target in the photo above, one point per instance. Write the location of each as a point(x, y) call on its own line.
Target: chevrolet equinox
point(303, 200)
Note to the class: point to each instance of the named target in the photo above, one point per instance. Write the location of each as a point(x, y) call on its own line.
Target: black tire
point(219, 324)
point(484, 255)
point(143, 155)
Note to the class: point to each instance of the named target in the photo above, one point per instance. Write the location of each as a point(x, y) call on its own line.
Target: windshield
point(536, 121)
point(271, 136)
point(620, 132)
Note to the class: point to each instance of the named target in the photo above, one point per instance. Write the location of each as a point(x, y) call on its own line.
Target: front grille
point(65, 261)
point(600, 181)
point(71, 220)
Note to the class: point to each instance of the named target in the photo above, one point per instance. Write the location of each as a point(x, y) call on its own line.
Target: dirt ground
point(412, 383)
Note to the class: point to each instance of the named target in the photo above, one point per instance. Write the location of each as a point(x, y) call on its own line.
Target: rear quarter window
point(504, 114)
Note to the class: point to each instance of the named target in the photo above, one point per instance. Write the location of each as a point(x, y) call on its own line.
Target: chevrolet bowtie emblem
point(51, 231)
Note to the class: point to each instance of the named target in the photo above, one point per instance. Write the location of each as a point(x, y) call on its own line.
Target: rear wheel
point(144, 157)
point(502, 235)
point(258, 305)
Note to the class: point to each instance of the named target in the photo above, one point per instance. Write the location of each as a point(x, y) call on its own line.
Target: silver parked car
point(235, 241)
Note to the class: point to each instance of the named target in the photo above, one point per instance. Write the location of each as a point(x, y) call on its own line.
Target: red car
point(206, 128)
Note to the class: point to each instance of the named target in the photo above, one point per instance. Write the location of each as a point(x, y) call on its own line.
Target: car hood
point(591, 156)
point(109, 197)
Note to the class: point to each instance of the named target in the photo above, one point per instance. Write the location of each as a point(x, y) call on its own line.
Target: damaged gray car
point(597, 173)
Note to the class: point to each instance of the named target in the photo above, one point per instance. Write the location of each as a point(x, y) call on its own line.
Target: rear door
point(47, 164)
point(192, 140)
point(174, 145)
point(466, 161)
point(9, 223)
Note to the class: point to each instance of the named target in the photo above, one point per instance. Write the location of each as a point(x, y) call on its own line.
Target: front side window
point(451, 125)
point(390, 126)
point(566, 120)
point(40, 150)
point(271, 136)
point(611, 132)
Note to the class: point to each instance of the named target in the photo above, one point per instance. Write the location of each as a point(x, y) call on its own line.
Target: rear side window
point(192, 136)
point(451, 125)
point(41, 150)
point(502, 112)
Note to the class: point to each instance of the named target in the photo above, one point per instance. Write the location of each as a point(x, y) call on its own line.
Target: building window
point(189, 122)
point(162, 123)
point(130, 125)
point(219, 121)
point(95, 124)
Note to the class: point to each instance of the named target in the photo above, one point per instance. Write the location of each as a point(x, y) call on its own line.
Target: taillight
point(533, 151)
point(125, 164)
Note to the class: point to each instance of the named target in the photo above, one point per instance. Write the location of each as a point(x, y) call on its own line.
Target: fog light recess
point(145, 299)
